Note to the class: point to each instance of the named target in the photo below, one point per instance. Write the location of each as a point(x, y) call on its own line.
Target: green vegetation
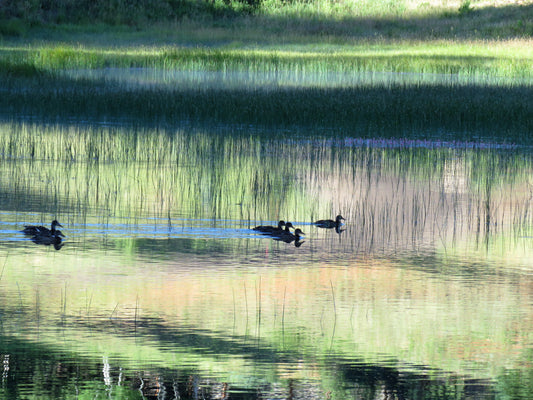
point(103, 113)
point(323, 18)
point(498, 59)
point(462, 112)
point(291, 41)
point(35, 84)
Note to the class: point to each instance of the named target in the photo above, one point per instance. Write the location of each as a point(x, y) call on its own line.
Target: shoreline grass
point(500, 58)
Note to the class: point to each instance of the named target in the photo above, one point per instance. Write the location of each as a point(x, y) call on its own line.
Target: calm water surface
point(161, 289)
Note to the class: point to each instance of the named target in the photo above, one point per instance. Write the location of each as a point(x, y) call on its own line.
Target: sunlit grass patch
point(507, 58)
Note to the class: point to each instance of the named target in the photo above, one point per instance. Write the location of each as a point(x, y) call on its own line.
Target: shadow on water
point(384, 107)
point(29, 366)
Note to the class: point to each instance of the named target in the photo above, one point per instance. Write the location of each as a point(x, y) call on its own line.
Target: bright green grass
point(509, 59)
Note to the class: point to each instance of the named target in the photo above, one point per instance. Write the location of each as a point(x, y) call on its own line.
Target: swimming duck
point(329, 223)
point(283, 232)
point(270, 228)
point(298, 242)
point(48, 239)
point(41, 230)
point(289, 237)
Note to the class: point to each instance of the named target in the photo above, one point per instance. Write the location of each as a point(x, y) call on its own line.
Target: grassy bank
point(286, 20)
point(512, 59)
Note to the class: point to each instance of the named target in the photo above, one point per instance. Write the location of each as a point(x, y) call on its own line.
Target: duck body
point(283, 232)
point(329, 223)
point(289, 237)
point(49, 239)
point(270, 228)
point(46, 239)
point(35, 230)
point(45, 236)
point(50, 234)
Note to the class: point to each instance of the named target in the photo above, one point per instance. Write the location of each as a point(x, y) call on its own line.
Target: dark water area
point(59, 376)
point(161, 289)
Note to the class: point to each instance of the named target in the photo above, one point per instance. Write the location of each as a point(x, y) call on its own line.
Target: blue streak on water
point(157, 228)
point(196, 229)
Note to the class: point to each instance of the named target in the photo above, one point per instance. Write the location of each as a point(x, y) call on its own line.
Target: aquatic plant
point(281, 88)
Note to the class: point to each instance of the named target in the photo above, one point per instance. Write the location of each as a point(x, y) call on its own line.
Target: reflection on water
point(162, 289)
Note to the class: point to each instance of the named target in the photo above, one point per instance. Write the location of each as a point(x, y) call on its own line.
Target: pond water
point(161, 289)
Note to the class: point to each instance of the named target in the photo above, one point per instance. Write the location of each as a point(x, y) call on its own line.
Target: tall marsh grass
point(498, 59)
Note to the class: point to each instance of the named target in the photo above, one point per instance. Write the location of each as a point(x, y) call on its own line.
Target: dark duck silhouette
point(289, 237)
point(34, 230)
point(270, 228)
point(329, 223)
point(49, 239)
point(282, 232)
